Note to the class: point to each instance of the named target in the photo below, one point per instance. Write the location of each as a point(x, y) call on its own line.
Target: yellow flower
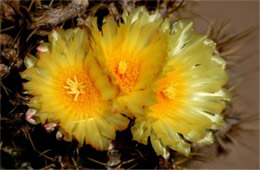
point(133, 52)
point(190, 98)
point(69, 88)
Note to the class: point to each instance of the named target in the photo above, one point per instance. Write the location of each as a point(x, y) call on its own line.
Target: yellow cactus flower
point(133, 52)
point(190, 98)
point(70, 90)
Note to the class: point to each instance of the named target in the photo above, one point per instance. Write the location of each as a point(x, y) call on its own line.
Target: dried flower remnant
point(55, 16)
point(71, 92)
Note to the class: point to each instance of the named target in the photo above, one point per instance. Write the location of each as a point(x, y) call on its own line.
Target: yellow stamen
point(74, 87)
point(170, 92)
point(122, 66)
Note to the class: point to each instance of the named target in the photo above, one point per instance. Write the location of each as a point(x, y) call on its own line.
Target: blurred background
point(244, 74)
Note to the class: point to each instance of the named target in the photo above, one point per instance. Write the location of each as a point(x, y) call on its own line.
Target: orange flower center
point(126, 71)
point(170, 94)
point(76, 89)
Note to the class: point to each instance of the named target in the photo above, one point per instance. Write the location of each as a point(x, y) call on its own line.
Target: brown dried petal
point(3, 70)
point(7, 11)
point(55, 16)
point(5, 39)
